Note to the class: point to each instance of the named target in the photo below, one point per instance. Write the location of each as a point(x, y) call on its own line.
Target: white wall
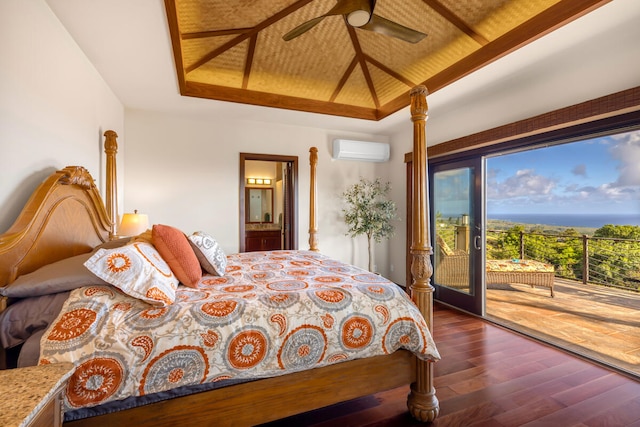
point(54, 106)
point(184, 171)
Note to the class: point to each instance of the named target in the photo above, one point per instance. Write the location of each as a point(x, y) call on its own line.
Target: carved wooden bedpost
point(313, 223)
point(422, 402)
point(111, 149)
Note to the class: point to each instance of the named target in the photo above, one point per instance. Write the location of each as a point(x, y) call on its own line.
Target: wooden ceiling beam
point(363, 63)
point(389, 71)
point(249, 61)
point(456, 20)
point(214, 33)
point(343, 79)
point(243, 96)
point(242, 37)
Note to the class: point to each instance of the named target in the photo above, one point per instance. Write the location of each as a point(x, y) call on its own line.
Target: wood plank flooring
point(490, 376)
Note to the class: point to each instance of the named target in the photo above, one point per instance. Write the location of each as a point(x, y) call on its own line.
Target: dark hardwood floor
point(490, 376)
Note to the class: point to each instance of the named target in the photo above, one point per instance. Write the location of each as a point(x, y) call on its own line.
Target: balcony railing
point(607, 261)
point(598, 260)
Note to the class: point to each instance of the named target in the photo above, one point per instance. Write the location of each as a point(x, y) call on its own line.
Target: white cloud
point(627, 151)
point(525, 183)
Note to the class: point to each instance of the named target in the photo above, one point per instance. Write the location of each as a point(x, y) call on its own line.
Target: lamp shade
point(133, 224)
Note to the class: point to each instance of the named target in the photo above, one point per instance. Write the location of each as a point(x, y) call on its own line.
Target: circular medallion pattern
point(300, 273)
point(267, 266)
point(356, 332)
point(238, 288)
point(369, 278)
point(261, 276)
point(77, 326)
point(209, 281)
point(377, 292)
point(339, 269)
point(233, 268)
point(247, 348)
point(118, 262)
point(279, 300)
point(287, 285)
point(178, 366)
point(153, 317)
point(403, 333)
point(301, 263)
point(95, 380)
point(218, 313)
point(328, 279)
point(330, 299)
point(303, 348)
point(190, 295)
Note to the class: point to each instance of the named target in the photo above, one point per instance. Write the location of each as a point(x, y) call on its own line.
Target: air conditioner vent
point(344, 149)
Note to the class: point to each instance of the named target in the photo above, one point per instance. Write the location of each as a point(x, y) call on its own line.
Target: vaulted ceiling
point(235, 51)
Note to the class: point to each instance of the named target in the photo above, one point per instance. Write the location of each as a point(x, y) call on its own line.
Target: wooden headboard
point(65, 216)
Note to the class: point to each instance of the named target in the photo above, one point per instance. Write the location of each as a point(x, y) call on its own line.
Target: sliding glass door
point(457, 230)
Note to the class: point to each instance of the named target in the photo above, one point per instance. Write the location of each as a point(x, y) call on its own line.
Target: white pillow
point(211, 256)
point(137, 270)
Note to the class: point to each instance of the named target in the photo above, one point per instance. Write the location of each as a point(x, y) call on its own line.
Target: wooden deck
point(594, 321)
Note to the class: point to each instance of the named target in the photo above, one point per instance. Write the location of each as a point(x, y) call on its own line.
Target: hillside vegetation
point(612, 251)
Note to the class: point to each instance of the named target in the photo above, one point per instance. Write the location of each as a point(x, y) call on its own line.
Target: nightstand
point(32, 396)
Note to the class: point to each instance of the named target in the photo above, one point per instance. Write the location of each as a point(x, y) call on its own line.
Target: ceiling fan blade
point(343, 7)
point(382, 25)
point(303, 28)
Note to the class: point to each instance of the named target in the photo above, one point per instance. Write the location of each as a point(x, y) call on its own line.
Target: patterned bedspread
point(271, 314)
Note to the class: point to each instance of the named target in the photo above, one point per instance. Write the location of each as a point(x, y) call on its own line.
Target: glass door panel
point(457, 237)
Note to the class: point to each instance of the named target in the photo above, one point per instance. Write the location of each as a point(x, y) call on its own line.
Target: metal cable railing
point(599, 260)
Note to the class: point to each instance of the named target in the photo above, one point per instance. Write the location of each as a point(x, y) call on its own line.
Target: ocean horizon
point(570, 220)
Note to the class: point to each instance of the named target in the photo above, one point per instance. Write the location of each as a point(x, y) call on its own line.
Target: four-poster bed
point(65, 217)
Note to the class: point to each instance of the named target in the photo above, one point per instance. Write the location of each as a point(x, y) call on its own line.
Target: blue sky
point(599, 176)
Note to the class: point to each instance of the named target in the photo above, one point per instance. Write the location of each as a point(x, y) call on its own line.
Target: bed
point(66, 219)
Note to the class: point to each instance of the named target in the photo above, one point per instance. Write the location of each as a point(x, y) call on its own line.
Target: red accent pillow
point(177, 252)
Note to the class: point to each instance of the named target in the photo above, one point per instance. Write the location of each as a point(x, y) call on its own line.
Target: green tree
point(507, 245)
point(616, 262)
point(368, 211)
point(618, 231)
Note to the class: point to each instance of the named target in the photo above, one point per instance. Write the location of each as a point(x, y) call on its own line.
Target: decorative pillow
point(137, 270)
point(60, 276)
point(176, 251)
point(26, 316)
point(211, 256)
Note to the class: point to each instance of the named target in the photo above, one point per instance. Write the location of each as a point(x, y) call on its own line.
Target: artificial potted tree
point(368, 211)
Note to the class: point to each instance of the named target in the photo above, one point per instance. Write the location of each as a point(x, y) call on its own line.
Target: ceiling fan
point(359, 14)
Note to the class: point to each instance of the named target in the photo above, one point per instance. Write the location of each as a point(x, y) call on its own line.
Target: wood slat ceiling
point(234, 51)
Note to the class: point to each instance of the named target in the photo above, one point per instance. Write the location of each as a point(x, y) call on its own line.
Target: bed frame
point(65, 216)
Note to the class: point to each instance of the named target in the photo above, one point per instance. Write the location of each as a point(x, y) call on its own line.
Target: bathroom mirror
point(259, 205)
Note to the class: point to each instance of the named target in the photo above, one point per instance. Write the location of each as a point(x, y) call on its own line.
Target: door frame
point(290, 220)
point(476, 303)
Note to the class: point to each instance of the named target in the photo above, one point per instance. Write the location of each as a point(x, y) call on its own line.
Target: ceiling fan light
point(358, 18)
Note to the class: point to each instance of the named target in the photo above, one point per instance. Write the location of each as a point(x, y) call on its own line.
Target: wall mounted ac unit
point(344, 149)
